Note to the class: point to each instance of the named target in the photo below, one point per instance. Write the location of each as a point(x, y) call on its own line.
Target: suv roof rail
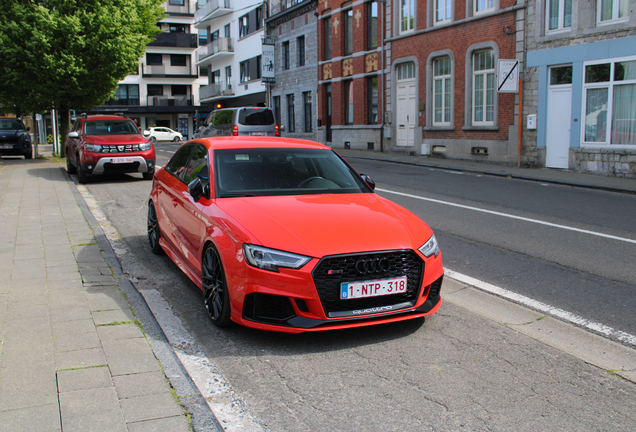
point(84, 115)
point(121, 114)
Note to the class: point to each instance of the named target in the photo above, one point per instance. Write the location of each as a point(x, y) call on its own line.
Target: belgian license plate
point(121, 160)
point(373, 288)
point(258, 133)
point(6, 146)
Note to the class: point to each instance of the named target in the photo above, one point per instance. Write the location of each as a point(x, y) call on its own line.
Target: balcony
point(186, 40)
point(169, 101)
point(218, 46)
point(164, 71)
point(277, 6)
point(215, 90)
point(211, 9)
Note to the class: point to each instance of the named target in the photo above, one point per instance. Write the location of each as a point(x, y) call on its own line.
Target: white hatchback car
point(162, 134)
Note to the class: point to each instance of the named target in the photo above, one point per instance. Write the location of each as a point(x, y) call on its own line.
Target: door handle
point(175, 202)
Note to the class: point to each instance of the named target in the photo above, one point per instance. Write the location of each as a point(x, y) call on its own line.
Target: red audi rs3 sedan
point(284, 235)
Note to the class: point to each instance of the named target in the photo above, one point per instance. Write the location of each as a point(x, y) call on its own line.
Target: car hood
point(115, 139)
point(320, 225)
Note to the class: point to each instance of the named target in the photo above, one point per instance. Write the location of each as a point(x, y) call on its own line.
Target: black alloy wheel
point(215, 295)
point(153, 230)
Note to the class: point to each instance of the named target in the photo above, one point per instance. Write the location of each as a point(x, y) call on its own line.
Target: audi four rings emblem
point(372, 265)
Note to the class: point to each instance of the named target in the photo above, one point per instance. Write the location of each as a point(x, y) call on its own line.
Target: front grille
point(268, 308)
point(333, 271)
point(121, 167)
point(132, 148)
point(9, 139)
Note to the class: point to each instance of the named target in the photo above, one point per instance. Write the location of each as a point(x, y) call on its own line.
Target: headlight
point(270, 259)
point(93, 148)
point(430, 247)
point(145, 146)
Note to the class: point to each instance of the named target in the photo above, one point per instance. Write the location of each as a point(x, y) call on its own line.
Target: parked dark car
point(15, 139)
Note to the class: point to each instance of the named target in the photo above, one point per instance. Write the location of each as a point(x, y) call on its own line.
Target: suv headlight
point(271, 259)
point(93, 148)
point(430, 247)
point(145, 146)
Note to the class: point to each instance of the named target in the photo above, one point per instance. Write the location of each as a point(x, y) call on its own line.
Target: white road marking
point(536, 221)
point(596, 327)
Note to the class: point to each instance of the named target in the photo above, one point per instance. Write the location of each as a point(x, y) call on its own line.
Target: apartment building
point(292, 27)
point(580, 84)
point(164, 89)
point(232, 53)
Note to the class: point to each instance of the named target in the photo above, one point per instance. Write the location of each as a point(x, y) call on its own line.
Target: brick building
point(293, 25)
point(580, 82)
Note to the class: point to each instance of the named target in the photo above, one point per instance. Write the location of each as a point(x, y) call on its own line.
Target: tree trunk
point(65, 127)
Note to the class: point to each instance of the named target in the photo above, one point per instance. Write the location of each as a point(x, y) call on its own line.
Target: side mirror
point(73, 134)
point(368, 181)
point(28, 129)
point(195, 188)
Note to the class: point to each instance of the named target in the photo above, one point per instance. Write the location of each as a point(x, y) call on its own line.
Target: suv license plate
point(6, 146)
point(121, 160)
point(373, 288)
point(258, 133)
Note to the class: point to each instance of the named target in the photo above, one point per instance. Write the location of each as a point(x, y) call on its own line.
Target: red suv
point(102, 144)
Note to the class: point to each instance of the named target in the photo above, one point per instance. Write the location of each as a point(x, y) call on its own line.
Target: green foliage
point(70, 53)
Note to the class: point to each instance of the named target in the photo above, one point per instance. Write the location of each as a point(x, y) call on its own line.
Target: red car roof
point(259, 142)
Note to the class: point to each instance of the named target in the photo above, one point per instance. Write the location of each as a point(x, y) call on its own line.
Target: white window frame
point(560, 18)
point(610, 103)
point(485, 74)
point(409, 17)
point(443, 79)
point(615, 12)
point(488, 8)
point(448, 6)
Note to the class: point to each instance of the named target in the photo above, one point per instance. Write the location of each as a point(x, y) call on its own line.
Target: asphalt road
point(456, 371)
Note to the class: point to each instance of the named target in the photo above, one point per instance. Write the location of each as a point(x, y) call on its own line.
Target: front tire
point(176, 139)
point(215, 294)
point(153, 230)
point(81, 175)
point(70, 168)
point(148, 175)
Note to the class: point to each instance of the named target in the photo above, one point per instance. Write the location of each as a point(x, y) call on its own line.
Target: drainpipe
point(383, 2)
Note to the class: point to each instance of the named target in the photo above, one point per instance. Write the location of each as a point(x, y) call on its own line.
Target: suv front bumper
point(115, 164)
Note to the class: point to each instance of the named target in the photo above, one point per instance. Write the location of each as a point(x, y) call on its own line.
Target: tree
point(70, 53)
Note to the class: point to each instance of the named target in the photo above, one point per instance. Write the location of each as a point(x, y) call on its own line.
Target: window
point(197, 167)
point(227, 30)
point(484, 88)
point(244, 71)
point(177, 28)
point(307, 111)
point(612, 10)
point(203, 37)
point(179, 90)
point(348, 32)
point(407, 15)
point(277, 109)
point(244, 26)
point(176, 2)
point(259, 66)
point(442, 91)
point(228, 77)
point(610, 102)
point(291, 116)
point(203, 71)
point(259, 18)
point(215, 77)
point(155, 90)
point(214, 36)
point(178, 60)
point(372, 99)
point(558, 15)
point(327, 31)
point(481, 6)
point(406, 71)
point(372, 25)
point(286, 55)
point(300, 51)
point(126, 94)
point(348, 96)
point(443, 11)
point(154, 59)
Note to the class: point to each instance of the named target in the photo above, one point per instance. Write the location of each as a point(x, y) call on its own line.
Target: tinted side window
point(177, 164)
point(224, 117)
point(252, 117)
point(198, 167)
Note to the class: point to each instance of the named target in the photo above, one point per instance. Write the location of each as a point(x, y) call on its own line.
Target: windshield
point(11, 124)
point(270, 172)
point(109, 127)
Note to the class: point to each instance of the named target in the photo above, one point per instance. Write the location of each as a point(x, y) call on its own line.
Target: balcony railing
point(278, 6)
point(211, 9)
point(187, 40)
point(163, 71)
point(215, 90)
point(222, 45)
point(169, 101)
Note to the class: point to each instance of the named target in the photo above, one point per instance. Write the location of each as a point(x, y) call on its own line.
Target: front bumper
point(106, 164)
point(15, 149)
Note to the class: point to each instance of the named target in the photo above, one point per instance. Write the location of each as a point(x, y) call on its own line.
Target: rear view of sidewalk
point(73, 356)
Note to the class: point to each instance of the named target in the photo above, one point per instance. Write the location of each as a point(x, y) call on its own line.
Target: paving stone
point(72, 327)
point(27, 355)
point(128, 356)
point(15, 394)
point(27, 337)
point(82, 358)
point(119, 332)
point(69, 314)
point(173, 424)
point(76, 342)
point(100, 279)
point(42, 418)
point(68, 301)
point(113, 316)
point(140, 384)
point(28, 275)
point(20, 326)
point(83, 379)
point(111, 421)
point(64, 276)
point(65, 285)
point(85, 402)
point(28, 311)
point(106, 301)
point(149, 407)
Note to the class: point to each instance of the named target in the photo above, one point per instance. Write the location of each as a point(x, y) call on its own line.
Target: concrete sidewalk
point(76, 339)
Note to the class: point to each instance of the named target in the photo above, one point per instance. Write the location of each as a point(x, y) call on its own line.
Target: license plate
point(373, 288)
point(121, 160)
point(258, 133)
point(6, 146)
